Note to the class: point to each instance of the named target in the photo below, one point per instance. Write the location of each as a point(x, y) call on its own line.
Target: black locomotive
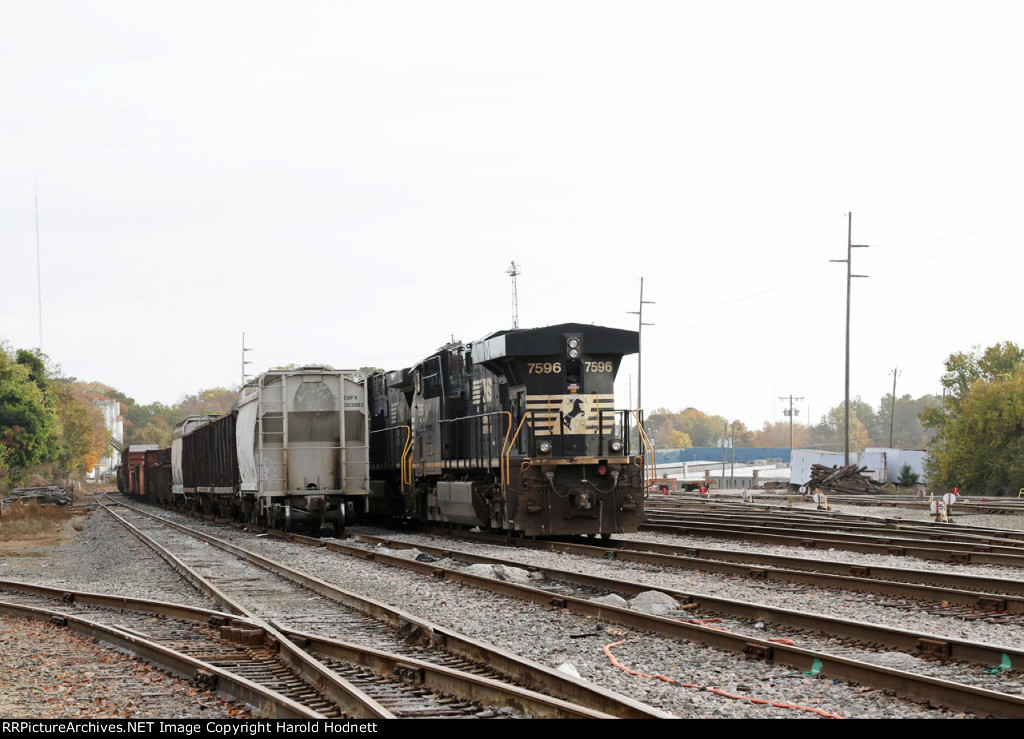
point(515, 432)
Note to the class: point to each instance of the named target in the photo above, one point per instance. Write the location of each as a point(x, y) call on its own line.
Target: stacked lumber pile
point(849, 480)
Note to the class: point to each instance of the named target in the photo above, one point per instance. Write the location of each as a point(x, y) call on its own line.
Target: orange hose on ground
point(759, 701)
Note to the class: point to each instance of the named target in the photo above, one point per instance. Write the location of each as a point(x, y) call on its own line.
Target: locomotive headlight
point(544, 447)
point(615, 445)
point(573, 347)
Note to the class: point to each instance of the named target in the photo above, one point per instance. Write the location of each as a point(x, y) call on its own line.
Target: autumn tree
point(216, 401)
point(778, 435)
point(692, 428)
point(81, 431)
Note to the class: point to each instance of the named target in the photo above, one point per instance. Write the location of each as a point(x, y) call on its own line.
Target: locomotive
point(516, 432)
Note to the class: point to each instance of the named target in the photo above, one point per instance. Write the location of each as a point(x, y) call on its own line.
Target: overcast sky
point(348, 182)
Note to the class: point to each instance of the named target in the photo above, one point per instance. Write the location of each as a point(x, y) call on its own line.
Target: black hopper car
point(517, 432)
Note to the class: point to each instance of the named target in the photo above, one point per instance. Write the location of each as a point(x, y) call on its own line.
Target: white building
point(114, 423)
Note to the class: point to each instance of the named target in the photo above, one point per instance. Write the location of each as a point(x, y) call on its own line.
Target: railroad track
point(827, 637)
point(965, 504)
point(840, 663)
point(939, 543)
point(192, 643)
point(575, 593)
point(297, 610)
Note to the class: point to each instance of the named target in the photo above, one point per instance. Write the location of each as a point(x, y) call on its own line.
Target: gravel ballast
point(105, 558)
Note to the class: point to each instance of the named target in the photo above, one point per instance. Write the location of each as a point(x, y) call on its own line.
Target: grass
point(31, 519)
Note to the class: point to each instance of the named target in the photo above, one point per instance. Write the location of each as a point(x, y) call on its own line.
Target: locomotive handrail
point(406, 463)
point(506, 452)
point(647, 445)
point(506, 476)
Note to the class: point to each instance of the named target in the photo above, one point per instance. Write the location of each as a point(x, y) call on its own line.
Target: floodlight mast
point(513, 272)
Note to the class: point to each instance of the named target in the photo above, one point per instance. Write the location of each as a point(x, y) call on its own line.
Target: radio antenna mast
point(514, 272)
point(39, 264)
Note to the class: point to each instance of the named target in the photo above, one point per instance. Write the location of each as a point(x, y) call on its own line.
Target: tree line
point(52, 428)
point(868, 427)
point(973, 432)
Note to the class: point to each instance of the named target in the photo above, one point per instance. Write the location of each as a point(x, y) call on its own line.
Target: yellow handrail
point(647, 445)
point(506, 452)
point(406, 464)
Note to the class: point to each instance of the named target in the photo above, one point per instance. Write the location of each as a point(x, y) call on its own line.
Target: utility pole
point(850, 246)
point(514, 272)
point(244, 361)
point(892, 408)
point(639, 355)
point(732, 467)
point(725, 447)
point(791, 412)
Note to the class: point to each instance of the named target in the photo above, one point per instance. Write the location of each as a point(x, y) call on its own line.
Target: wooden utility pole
point(892, 407)
point(850, 246)
point(791, 412)
point(640, 353)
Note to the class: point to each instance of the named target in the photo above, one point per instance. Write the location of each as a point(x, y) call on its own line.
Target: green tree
point(907, 476)
point(979, 444)
point(28, 426)
point(148, 424)
point(964, 369)
point(979, 425)
point(828, 433)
